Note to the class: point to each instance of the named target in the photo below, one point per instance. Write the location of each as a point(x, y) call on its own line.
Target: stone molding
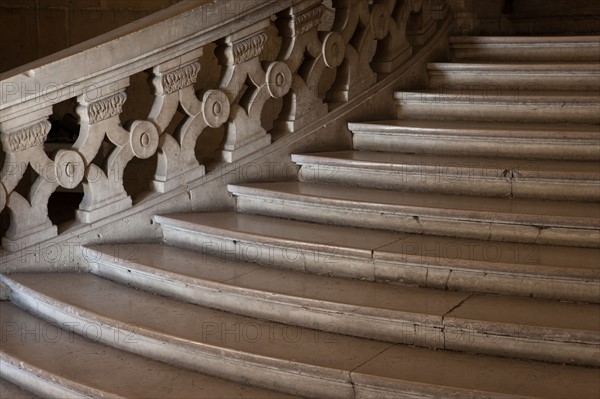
point(27, 137)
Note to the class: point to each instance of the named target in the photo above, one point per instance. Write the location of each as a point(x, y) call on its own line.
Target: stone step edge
point(393, 325)
point(541, 40)
point(524, 130)
point(466, 215)
point(548, 273)
point(42, 382)
point(526, 229)
point(553, 283)
point(478, 130)
point(568, 69)
point(409, 318)
point(227, 363)
point(522, 174)
point(510, 98)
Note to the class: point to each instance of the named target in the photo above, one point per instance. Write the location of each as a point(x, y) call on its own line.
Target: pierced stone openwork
point(271, 53)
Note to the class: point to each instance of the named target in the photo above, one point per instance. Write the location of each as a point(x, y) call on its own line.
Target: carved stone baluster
point(359, 24)
point(24, 145)
point(239, 54)
point(440, 9)
point(422, 25)
point(395, 48)
point(307, 52)
point(173, 84)
point(99, 114)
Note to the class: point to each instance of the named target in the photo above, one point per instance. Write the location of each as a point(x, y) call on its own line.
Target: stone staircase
point(454, 252)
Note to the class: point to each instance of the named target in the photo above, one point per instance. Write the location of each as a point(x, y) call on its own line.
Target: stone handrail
point(368, 39)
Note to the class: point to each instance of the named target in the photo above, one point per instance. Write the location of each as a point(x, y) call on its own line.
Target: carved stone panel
point(307, 52)
point(248, 85)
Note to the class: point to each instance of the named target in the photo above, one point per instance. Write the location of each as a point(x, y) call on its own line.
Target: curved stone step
point(497, 139)
point(526, 48)
point(333, 366)
point(499, 106)
point(245, 350)
point(564, 273)
point(54, 362)
point(499, 219)
point(491, 177)
point(504, 326)
point(498, 77)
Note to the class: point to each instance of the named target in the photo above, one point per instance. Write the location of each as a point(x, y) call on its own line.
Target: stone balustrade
point(368, 39)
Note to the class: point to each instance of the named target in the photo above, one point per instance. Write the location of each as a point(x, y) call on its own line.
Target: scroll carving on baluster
point(23, 144)
point(360, 24)
point(244, 77)
point(99, 113)
point(173, 84)
point(307, 52)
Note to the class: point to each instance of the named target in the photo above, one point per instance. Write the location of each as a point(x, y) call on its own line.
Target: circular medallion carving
point(216, 108)
point(380, 21)
point(143, 139)
point(334, 50)
point(69, 167)
point(279, 79)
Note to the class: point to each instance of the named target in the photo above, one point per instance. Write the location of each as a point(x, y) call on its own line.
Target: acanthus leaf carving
point(106, 108)
point(180, 78)
point(309, 19)
point(249, 48)
point(27, 137)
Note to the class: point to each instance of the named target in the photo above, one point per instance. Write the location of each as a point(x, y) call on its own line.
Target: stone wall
point(32, 29)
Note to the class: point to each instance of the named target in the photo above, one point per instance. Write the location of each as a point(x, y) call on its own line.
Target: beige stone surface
point(564, 48)
point(474, 176)
point(9, 390)
point(447, 374)
point(238, 348)
point(498, 209)
point(55, 361)
point(495, 78)
point(338, 239)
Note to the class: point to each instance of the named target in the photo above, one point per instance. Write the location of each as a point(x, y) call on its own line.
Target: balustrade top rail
point(129, 49)
point(168, 46)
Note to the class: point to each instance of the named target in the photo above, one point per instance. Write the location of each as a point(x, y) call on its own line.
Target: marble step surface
point(499, 219)
point(284, 357)
point(8, 390)
point(494, 78)
point(496, 325)
point(494, 139)
point(483, 176)
point(552, 272)
point(526, 48)
point(499, 106)
point(52, 361)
